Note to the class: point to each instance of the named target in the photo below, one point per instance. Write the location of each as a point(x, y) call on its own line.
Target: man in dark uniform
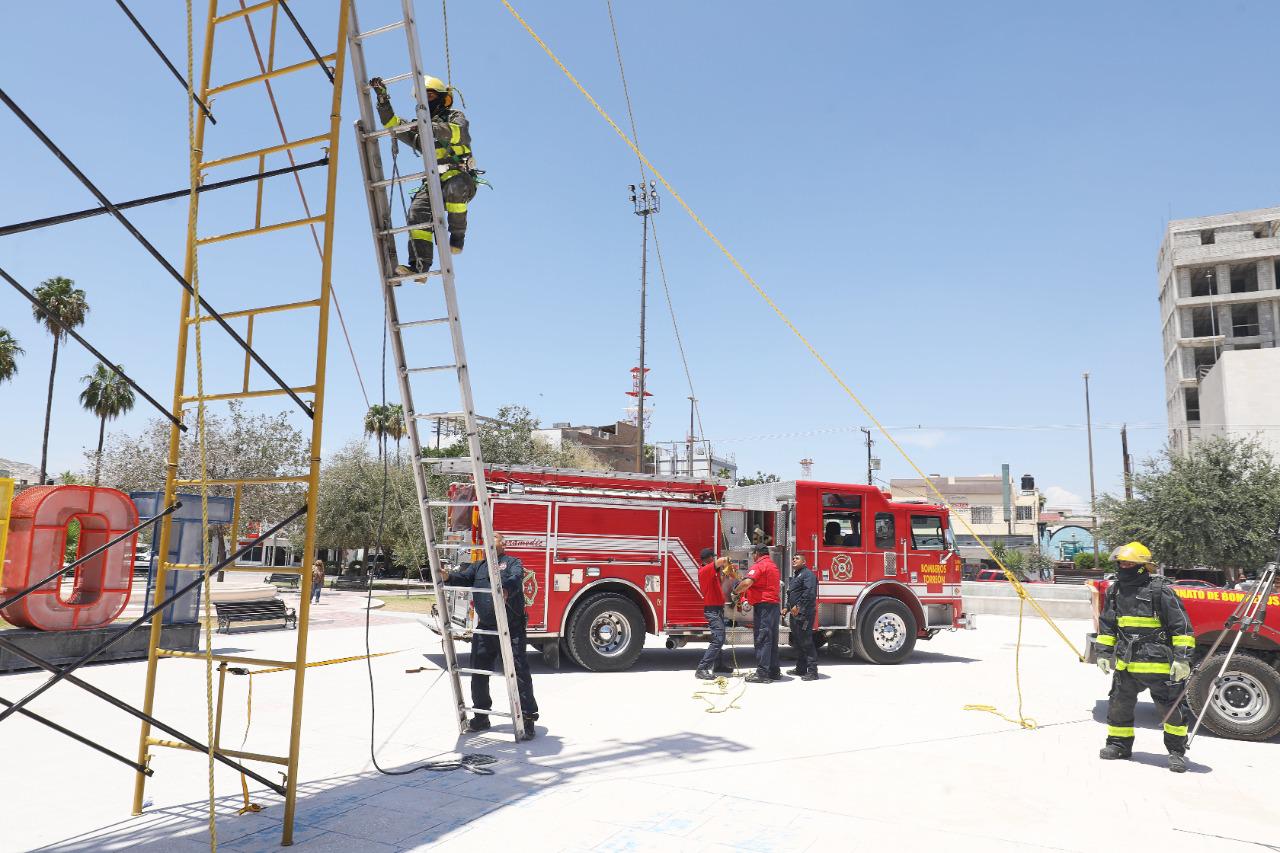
point(802, 598)
point(485, 651)
point(711, 579)
point(762, 588)
point(1144, 637)
point(457, 170)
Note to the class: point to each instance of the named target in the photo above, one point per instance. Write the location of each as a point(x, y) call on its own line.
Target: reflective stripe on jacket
point(1144, 628)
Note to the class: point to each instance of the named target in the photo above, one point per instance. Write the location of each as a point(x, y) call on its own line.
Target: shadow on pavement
point(1148, 716)
point(372, 812)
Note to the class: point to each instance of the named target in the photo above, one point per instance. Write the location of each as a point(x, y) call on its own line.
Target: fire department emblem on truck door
point(530, 587)
point(841, 567)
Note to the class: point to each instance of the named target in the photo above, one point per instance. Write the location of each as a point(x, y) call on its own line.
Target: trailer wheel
point(1246, 705)
point(886, 632)
point(606, 633)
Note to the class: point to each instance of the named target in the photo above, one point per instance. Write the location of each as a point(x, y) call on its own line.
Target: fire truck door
point(842, 555)
point(925, 547)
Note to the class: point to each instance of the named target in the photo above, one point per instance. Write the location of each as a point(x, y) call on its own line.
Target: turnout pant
point(1125, 688)
point(802, 642)
point(459, 188)
point(766, 637)
point(711, 659)
point(486, 654)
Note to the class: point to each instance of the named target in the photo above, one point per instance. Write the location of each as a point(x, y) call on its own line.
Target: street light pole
point(693, 402)
point(645, 201)
point(1093, 492)
point(867, 431)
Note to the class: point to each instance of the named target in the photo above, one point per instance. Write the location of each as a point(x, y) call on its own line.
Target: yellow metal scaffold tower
point(194, 313)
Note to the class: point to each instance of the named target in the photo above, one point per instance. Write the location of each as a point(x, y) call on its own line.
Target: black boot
point(704, 675)
point(530, 732)
point(479, 723)
point(811, 675)
point(756, 678)
point(1177, 762)
point(1111, 752)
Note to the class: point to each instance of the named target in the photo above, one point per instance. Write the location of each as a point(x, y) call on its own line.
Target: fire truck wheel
point(1246, 704)
point(606, 633)
point(886, 632)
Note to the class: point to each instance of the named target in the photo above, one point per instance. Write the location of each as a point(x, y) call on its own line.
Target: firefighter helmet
point(1134, 552)
point(436, 86)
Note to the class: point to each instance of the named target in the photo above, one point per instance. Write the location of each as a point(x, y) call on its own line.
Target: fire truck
point(1245, 705)
point(611, 557)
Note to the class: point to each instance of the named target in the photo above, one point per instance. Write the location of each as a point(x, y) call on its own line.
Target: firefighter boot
point(811, 675)
point(530, 732)
point(479, 723)
point(1177, 762)
point(1111, 752)
point(704, 674)
point(795, 671)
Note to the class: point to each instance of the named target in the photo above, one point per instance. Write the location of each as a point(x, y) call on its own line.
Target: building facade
point(992, 506)
point(1218, 297)
point(613, 444)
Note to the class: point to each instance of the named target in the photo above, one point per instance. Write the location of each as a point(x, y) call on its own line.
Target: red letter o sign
point(37, 540)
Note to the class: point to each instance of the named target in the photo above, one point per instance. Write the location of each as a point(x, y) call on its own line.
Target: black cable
point(307, 40)
point(31, 225)
point(74, 335)
point(160, 53)
point(154, 252)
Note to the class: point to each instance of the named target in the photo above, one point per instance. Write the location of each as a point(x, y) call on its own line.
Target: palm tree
point(107, 396)
point(395, 427)
point(62, 306)
point(379, 423)
point(9, 352)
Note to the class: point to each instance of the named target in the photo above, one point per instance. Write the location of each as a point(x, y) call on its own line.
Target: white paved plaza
point(866, 758)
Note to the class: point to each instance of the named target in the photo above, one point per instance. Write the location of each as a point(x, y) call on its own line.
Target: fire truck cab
point(611, 557)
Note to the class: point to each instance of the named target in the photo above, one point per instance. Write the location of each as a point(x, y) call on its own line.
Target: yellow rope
point(195, 159)
point(1023, 721)
point(722, 689)
point(1019, 588)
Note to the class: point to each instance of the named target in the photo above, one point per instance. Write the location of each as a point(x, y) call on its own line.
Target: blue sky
point(960, 204)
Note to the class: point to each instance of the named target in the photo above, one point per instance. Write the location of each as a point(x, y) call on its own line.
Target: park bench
point(255, 611)
point(285, 578)
point(351, 582)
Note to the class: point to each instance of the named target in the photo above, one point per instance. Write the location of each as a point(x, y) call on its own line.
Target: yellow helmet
point(1134, 552)
point(434, 84)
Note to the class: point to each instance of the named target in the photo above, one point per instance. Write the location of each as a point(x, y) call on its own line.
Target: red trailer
point(610, 557)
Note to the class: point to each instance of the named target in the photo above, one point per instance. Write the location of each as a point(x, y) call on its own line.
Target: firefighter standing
point(802, 598)
point(457, 171)
point(711, 584)
point(762, 587)
point(1144, 637)
point(485, 651)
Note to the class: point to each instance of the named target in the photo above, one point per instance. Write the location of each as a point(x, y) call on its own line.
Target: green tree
point(1217, 506)
point(62, 306)
point(107, 396)
point(383, 421)
point(9, 352)
point(760, 477)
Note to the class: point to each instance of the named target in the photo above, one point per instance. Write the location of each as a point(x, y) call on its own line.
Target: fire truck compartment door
point(842, 554)
point(608, 535)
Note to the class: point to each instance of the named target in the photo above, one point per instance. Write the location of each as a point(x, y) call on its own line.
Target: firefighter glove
point(1179, 670)
point(1106, 664)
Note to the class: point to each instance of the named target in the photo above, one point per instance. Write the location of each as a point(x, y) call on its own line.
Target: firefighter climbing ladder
point(332, 66)
point(379, 189)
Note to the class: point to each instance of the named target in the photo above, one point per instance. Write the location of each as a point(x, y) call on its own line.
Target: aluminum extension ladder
point(379, 189)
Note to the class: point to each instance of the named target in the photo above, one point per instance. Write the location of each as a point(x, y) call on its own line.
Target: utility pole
point(1093, 492)
point(1128, 462)
point(867, 431)
point(692, 402)
point(645, 201)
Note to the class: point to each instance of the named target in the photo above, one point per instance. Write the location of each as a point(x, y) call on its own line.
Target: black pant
point(802, 642)
point(458, 189)
point(485, 654)
point(1125, 688)
point(766, 637)
point(715, 622)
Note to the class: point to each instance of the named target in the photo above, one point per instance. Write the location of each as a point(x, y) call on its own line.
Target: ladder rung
point(262, 152)
point(466, 670)
point(435, 368)
point(230, 753)
point(402, 229)
point(269, 75)
point(486, 711)
point(237, 481)
point(398, 179)
point(247, 395)
point(488, 632)
point(255, 312)
point(413, 276)
point(377, 31)
point(248, 10)
point(403, 127)
point(454, 546)
point(174, 653)
point(389, 80)
point(260, 229)
point(440, 416)
point(449, 503)
point(467, 589)
point(415, 323)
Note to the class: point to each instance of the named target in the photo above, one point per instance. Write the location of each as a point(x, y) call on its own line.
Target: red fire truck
point(1246, 704)
point(610, 557)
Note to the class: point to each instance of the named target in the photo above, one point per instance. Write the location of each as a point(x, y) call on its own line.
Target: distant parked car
point(990, 575)
point(1198, 584)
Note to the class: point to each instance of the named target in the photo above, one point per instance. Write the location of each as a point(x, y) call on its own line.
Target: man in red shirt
point(711, 583)
point(762, 587)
